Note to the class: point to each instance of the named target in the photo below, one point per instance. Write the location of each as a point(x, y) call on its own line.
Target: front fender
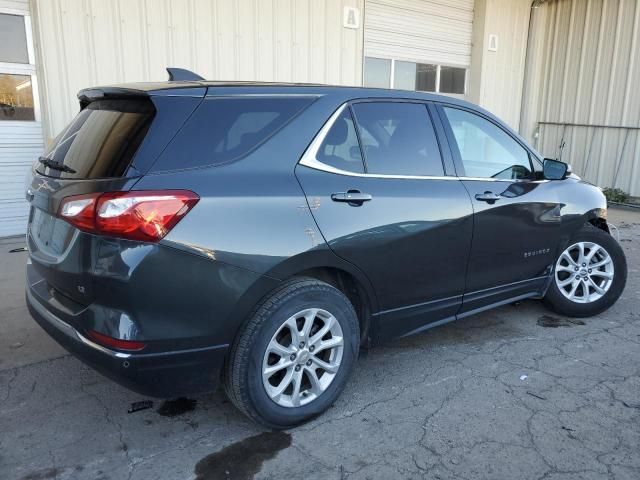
point(581, 203)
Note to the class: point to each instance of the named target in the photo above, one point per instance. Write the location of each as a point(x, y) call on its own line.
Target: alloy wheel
point(302, 358)
point(584, 272)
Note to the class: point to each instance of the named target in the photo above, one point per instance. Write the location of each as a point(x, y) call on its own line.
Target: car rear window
point(226, 129)
point(100, 142)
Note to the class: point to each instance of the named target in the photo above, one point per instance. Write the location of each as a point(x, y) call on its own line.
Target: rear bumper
point(158, 374)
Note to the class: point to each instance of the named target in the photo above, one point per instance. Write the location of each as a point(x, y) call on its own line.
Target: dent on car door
point(376, 186)
point(516, 217)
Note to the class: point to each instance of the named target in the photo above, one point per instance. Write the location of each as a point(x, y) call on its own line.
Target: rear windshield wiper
point(48, 162)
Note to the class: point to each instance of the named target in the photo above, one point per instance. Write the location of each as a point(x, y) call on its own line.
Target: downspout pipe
point(534, 5)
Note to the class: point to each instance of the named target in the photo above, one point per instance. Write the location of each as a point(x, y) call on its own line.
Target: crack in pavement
point(449, 403)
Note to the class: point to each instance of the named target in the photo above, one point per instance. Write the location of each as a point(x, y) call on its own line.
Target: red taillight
point(139, 215)
point(79, 210)
point(107, 341)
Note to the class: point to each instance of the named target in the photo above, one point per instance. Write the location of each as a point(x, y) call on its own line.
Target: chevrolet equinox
point(188, 233)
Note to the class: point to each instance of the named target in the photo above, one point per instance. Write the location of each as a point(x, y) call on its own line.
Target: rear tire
point(589, 275)
point(304, 336)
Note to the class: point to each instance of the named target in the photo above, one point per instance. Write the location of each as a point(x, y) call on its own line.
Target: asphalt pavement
point(515, 393)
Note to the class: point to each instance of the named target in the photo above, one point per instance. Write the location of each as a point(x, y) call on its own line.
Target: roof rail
point(176, 74)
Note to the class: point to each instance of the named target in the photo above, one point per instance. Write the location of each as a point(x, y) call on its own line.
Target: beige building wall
point(498, 56)
point(582, 88)
point(84, 43)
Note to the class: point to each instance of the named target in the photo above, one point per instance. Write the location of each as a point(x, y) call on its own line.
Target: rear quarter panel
point(253, 214)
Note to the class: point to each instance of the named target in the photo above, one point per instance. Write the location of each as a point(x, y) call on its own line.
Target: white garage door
point(418, 44)
point(20, 129)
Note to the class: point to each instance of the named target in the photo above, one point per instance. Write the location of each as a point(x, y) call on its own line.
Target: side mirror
point(554, 169)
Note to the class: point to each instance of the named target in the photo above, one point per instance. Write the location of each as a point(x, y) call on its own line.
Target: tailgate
point(106, 148)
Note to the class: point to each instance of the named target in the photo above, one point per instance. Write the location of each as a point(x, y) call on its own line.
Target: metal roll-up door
point(419, 30)
point(432, 32)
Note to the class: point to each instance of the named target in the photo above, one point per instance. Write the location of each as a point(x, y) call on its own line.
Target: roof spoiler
point(176, 74)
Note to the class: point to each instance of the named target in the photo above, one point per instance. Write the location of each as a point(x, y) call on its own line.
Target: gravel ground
point(517, 392)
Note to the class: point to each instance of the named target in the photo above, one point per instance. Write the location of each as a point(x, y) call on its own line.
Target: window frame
point(534, 160)
point(391, 69)
point(27, 69)
point(333, 119)
point(421, 62)
point(157, 164)
point(309, 159)
point(429, 118)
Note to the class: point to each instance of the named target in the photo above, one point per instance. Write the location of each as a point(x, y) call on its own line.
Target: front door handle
point(352, 197)
point(488, 197)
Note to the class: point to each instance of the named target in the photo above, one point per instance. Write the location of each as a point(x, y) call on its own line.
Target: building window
point(377, 72)
point(17, 73)
point(426, 78)
point(414, 76)
point(405, 75)
point(391, 73)
point(452, 79)
point(16, 97)
point(13, 39)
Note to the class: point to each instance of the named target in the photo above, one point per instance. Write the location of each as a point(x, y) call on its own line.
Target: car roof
point(248, 87)
point(345, 93)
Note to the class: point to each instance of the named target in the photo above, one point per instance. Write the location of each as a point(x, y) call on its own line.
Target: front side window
point(487, 151)
point(398, 139)
point(340, 147)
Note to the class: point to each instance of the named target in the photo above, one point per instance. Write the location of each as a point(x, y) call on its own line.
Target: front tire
point(589, 275)
point(294, 355)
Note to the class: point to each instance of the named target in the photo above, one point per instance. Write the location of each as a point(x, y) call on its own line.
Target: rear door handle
point(352, 197)
point(488, 197)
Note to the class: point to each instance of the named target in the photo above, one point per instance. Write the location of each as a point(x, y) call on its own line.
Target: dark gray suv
point(190, 232)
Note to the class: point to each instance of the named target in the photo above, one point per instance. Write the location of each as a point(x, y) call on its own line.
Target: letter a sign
point(351, 18)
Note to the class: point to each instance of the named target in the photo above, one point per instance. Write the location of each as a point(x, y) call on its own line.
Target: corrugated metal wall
point(19, 6)
point(426, 31)
point(496, 77)
point(95, 42)
point(582, 86)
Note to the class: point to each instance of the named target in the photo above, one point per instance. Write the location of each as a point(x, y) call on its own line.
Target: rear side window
point(225, 129)
point(398, 139)
point(101, 141)
point(340, 147)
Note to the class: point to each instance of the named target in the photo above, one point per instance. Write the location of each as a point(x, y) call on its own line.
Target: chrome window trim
point(309, 159)
point(510, 180)
point(253, 95)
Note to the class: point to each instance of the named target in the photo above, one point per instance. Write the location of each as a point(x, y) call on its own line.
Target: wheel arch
point(324, 265)
point(599, 222)
point(351, 287)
